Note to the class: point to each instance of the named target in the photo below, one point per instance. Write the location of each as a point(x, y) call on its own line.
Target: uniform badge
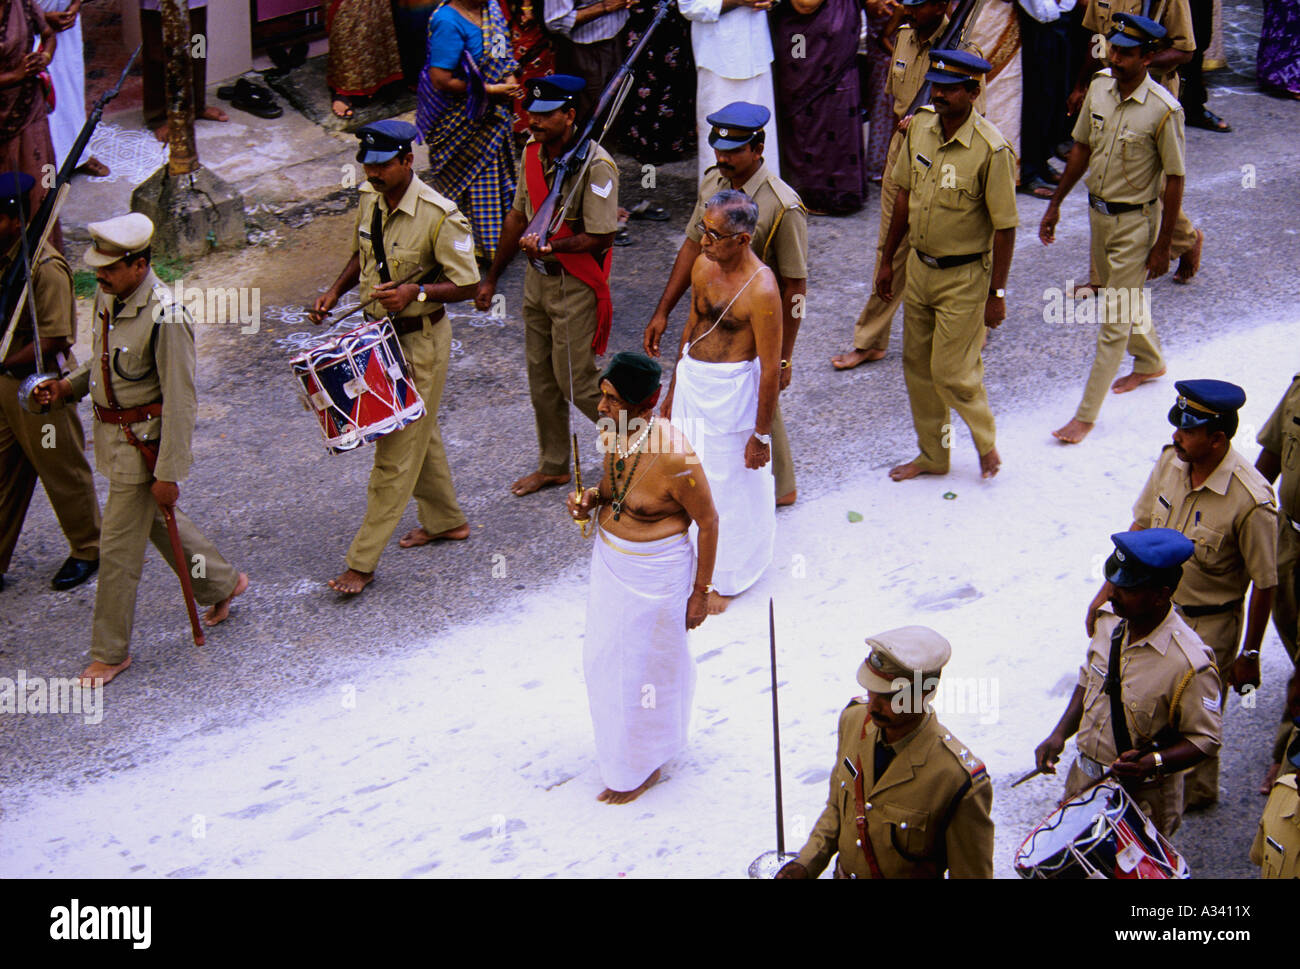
point(1210, 703)
point(1165, 501)
point(463, 245)
point(848, 766)
point(923, 160)
point(603, 190)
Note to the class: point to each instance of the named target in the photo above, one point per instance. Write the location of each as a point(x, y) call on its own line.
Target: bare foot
point(611, 796)
point(786, 500)
point(351, 582)
point(219, 612)
point(717, 603)
point(101, 672)
point(1269, 778)
point(418, 536)
point(537, 481)
point(903, 472)
point(1086, 290)
point(93, 167)
point(211, 113)
point(990, 463)
point(1073, 432)
point(847, 361)
point(1133, 381)
point(1190, 261)
point(341, 108)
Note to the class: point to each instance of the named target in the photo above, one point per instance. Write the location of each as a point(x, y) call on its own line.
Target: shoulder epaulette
point(1163, 94)
point(973, 765)
point(786, 195)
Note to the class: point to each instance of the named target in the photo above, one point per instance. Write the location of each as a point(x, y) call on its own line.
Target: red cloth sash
point(583, 266)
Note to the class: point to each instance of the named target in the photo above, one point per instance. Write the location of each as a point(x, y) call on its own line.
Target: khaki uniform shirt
point(1134, 141)
point(1230, 518)
point(151, 358)
point(932, 777)
point(1174, 15)
point(961, 189)
point(594, 208)
point(910, 63)
point(1151, 671)
point(1281, 435)
point(1277, 842)
point(52, 297)
point(781, 236)
point(426, 231)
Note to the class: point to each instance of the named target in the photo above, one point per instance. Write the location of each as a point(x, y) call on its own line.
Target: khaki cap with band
point(900, 654)
point(114, 239)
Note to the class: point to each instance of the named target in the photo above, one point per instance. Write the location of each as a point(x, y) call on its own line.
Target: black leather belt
point(411, 324)
point(1196, 612)
point(1114, 208)
point(947, 262)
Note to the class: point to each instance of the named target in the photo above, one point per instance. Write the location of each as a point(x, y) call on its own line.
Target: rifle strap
point(377, 243)
point(1114, 689)
point(860, 804)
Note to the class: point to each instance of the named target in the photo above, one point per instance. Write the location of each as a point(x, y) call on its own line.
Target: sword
point(25, 400)
point(182, 570)
point(769, 863)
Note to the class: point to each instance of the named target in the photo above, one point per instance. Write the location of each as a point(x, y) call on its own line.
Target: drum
point(359, 386)
point(1099, 834)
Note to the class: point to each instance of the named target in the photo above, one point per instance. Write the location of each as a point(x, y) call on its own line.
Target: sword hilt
point(583, 523)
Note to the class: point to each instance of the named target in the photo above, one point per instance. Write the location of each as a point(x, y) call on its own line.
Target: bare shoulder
point(674, 451)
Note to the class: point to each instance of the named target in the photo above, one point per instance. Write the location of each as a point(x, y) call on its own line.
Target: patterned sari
point(469, 135)
point(1278, 58)
point(363, 54)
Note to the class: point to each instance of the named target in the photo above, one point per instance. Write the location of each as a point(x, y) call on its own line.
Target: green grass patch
point(168, 270)
point(84, 284)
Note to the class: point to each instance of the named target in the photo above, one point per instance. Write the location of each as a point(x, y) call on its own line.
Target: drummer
point(1167, 689)
point(413, 251)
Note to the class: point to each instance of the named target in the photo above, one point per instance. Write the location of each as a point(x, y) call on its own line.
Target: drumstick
point(375, 299)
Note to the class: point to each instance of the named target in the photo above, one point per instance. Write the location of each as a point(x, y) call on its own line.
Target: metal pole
point(776, 734)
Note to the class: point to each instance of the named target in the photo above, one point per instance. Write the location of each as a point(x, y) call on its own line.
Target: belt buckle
point(929, 260)
point(1100, 205)
point(1294, 524)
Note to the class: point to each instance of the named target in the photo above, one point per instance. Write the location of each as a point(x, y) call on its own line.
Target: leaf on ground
point(855, 516)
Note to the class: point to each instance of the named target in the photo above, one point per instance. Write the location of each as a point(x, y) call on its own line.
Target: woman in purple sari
point(819, 102)
point(1277, 63)
point(465, 113)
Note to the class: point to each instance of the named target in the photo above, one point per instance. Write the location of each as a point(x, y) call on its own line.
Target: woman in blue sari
point(465, 113)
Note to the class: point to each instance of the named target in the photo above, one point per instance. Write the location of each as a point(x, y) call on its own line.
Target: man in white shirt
point(590, 44)
point(733, 62)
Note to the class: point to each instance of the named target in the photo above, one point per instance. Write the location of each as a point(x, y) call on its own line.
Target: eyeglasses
point(712, 236)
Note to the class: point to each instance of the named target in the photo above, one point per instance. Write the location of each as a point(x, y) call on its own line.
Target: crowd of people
point(684, 508)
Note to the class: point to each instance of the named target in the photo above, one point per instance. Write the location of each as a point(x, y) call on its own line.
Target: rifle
point(43, 219)
point(550, 214)
point(962, 17)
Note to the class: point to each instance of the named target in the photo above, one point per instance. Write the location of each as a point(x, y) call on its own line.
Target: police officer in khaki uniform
point(51, 446)
point(1129, 137)
point(907, 798)
point(1177, 47)
point(780, 241)
point(566, 303)
point(1277, 842)
point(141, 379)
point(1164, 683)
point(403, 226)
point(926, 20)
point(1203, 488)
point(1280, 440)
point(1280, 455)
point(956, 200)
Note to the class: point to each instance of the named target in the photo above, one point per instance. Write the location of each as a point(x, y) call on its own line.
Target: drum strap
point(1114, 689)
point(377, 243)
point(860, 803)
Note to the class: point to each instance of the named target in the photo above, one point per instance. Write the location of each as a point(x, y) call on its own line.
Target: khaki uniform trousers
point(1120, 247)
point(1222, 633)
point(132, 518)
point(62, 470)
point(1160, 800)
point(871, 332)
point(943, 336)
point(782, 462)
point(559, 324)
point(411, 461)
point(1183, 239)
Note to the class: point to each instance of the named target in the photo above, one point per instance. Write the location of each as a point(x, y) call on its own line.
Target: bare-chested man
point(647, 587)
point(725, 387)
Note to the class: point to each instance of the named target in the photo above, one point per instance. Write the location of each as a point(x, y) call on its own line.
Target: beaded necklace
point(617, 469)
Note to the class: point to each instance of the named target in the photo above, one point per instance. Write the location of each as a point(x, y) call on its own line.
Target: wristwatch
point(1160, 763)
point(998, 293)
point(708, 587)
point(765, 439)
point(785, 364)
point(423, 296)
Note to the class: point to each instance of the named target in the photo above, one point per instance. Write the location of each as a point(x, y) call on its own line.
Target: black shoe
point(73, 573)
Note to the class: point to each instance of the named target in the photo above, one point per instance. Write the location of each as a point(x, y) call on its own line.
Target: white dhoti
point(713, 91)
point(640, 675)
point(714, 406)
point(68, 72)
